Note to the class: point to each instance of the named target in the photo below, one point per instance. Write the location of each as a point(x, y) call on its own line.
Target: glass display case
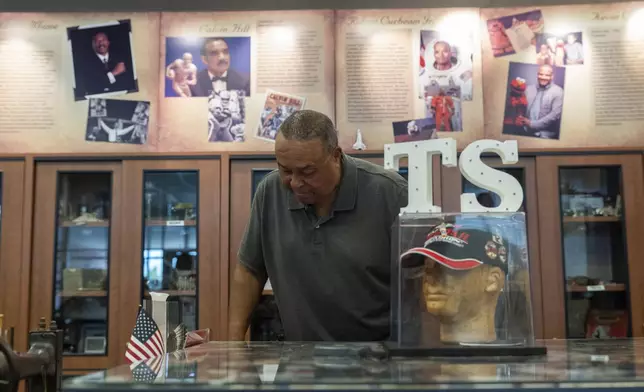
point(590, 228)
point(595, 264)
point(600, 366)
point(461, 280)
point(81, 269)
point(75, 245)
point(170, 244)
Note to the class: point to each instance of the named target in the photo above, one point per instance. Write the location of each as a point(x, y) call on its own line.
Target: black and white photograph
point(226, 116)
point(277, 108)
point(102, 60)
point(117, 121)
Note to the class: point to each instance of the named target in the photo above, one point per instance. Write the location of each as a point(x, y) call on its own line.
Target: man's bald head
point(545, 74)
point(307, 125)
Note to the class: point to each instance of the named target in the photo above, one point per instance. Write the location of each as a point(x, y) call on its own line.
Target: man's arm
point(554, 115)
point(250, 273)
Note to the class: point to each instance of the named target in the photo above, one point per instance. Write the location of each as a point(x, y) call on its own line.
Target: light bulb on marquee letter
point(483, 176)
point(419, 169)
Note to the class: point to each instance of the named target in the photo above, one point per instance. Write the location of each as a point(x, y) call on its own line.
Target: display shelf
point(85, 224)
point(616, 287)
point(591, 219)
point(83, 293)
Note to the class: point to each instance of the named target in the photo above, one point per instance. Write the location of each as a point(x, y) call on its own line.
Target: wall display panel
point(78, 82)
point(229, 79)
point(395, 66)
point(564, 76)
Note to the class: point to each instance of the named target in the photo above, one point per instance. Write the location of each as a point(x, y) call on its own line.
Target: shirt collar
point(345, 200)
point(224, 75)
point(103, 57)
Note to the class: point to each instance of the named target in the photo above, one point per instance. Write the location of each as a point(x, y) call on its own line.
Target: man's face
point(217, 57)
point(449, 293)
point(544, 49)
point(571, 39)
point(442, 53)
point(544, 75)
point(307, 168)
point(187, 59)
point(101, 43)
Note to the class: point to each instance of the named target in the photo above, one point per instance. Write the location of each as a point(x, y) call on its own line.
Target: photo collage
point(103, 66)
point(534, 93)
point(222, 73)
point(209, 82)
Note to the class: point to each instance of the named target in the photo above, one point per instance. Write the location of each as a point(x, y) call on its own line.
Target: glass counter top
point(569, 364)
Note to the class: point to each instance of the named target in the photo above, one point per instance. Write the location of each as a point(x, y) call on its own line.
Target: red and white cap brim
point(455, 264)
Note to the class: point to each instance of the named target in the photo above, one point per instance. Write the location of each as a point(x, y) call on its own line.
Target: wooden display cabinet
point(454, 184)
point(171, 240)
point(245, 175)
point(591, 231)
point(13, 285)
point(75, 259)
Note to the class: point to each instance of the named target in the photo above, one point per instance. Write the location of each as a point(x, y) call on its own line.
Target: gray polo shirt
point(331, 275)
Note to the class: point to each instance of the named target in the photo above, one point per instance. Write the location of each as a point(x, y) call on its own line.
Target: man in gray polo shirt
point(320, 230)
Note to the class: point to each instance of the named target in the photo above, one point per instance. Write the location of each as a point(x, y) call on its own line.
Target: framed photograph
point(446, 62)
point(534, 100)
point(102, 60)
point(227, 116)
point(560, 49)
point(277, 107)
point(197, 67)
point(514, 33)
point(116, 121)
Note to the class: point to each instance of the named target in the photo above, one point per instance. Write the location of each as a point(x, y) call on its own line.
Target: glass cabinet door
point(172, 242)
point(595, 264)
point(170, 246)
point(74, 256)
point(590, 211)
point(81, 268)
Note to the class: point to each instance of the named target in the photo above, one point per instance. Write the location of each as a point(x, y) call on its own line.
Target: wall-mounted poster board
point(71, 81)
point(565, 77)
point(553, 78)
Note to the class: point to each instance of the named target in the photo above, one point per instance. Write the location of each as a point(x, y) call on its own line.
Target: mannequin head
point(454, 296)
point(464, 274)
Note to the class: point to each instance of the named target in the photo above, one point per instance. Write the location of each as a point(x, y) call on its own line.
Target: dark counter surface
point(569, 364)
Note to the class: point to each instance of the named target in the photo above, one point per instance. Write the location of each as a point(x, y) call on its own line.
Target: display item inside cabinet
point(461, 284)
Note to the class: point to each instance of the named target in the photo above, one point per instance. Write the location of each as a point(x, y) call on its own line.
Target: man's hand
point(524, 121)
point(118, 69)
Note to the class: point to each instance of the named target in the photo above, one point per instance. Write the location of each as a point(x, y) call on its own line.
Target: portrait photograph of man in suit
point(223, 65)
point(102, 59)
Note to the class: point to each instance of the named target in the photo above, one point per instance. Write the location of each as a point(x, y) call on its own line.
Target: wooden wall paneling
point(44, 235)
point(224, 248)
point(551, 235)
point(241, 176)
point(208, 221)
point(452, 182)
point(12, 288)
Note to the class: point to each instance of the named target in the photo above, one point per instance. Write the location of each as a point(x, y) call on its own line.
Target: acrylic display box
point(461, 286)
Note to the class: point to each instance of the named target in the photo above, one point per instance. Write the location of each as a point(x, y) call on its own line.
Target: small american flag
point(146, 341)
point(147, 371)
